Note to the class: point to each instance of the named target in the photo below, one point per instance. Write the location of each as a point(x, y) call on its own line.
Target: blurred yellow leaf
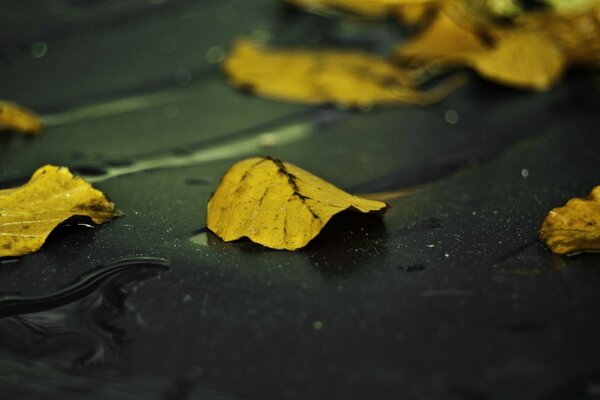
point(346, 78)
point(531, 52)
point(15, 117)
point(573, 6)
point(489, 11)
point(502, 40)
point(520, 59)
point(574, 227)
point(577, 34)
point(29, 213)
point(277, 204)
point(416, 14)
point(443, 41)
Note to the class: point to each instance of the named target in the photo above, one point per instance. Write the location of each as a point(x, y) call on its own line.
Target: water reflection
point(74, 326)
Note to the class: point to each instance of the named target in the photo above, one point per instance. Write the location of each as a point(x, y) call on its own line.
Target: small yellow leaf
point(527, 60)
point(574, 227)
point(347, 78)
point(277, 204)
point(29, 213)
point(13, 116)
point(443, 41)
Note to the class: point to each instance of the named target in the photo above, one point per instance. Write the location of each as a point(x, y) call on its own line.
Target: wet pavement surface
point(450, 296)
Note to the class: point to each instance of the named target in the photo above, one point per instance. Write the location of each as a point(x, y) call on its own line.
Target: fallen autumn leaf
point(503, 41)
point(443, 40)
point(277, 204)
point(574, 227)
point(15, 117)
point(521, 58)
point(29, 213)
point(347, 78)
point(526, 60)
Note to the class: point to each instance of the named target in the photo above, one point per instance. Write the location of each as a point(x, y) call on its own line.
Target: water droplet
point(318, 325)
point(39, 49)
point(524, 172)
point(183, 77)
point(451, 117)
point(431, 246)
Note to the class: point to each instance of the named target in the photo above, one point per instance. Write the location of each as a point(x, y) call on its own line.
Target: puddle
point(74, 327)
point(246, 146)
point(119, 105)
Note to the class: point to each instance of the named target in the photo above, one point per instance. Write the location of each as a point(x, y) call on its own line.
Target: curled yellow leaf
point(443, 41)
point(277, 204)
point(15, 117)
point(29, 213)
point(574, 227)
point(347, 78)
point(527, 60)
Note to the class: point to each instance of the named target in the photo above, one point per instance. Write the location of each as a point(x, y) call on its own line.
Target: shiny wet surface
point(450, 295)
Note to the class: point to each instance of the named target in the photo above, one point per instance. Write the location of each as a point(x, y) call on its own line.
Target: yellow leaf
point(346, 78)
point(577, 34)
point(527, 60)
point(490, 11)
point(277, 204)
point(574, 227)
point(30, 212)
point(443, 40)
point(416, 14)
point(13, 116)
point(573, 6)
